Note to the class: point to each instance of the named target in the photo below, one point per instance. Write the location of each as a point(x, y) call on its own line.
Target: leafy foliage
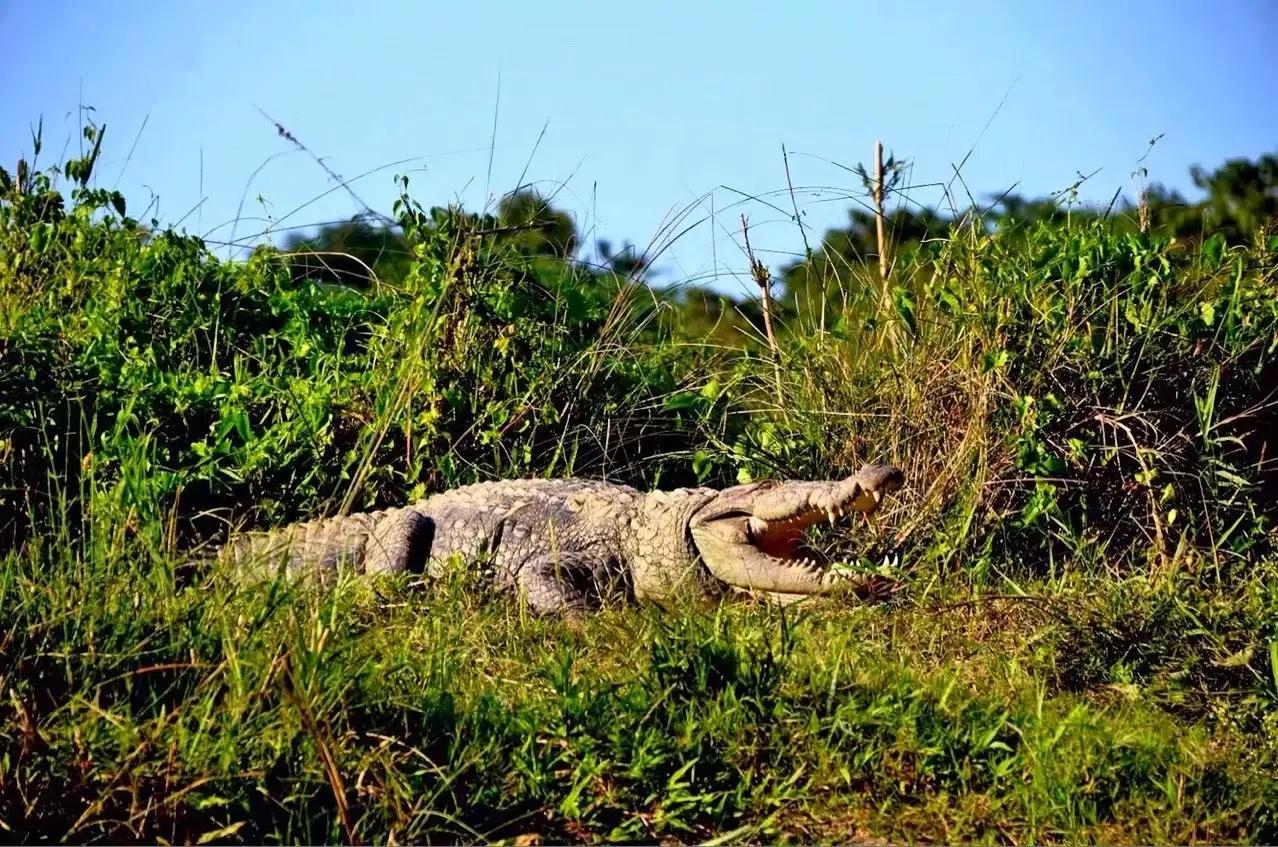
point(266, 393)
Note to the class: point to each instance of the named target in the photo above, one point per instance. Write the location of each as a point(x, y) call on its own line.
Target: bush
point(213, 391)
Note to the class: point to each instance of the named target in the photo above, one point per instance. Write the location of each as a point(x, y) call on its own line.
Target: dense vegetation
point(1086, 646)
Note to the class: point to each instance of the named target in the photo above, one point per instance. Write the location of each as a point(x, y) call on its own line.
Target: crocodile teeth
point(831, 516)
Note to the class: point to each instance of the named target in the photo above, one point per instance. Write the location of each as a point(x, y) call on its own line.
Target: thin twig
point(334, 175)
point(803, 231)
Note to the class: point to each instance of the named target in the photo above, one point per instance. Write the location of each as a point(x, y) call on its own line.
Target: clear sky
point(645, 107)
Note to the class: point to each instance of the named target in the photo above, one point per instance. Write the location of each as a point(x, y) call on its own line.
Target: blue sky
point(645, 107)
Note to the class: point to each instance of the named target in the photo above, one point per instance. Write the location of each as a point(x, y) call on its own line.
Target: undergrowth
point(1086, 648)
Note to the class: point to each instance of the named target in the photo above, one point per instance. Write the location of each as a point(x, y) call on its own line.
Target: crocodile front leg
point(565, 583)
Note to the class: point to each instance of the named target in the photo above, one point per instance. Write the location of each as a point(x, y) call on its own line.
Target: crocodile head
point(751, 536)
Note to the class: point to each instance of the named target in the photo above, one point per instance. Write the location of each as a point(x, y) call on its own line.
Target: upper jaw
point(784, 506)
point(830, 509)
point(801, 504)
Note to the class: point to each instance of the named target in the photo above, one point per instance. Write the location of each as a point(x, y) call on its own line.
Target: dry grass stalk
point(332, 772)
point(763, 278)
point(879, 216)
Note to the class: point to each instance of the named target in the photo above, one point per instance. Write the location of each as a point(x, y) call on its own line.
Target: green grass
point(1086, 649)
point(145, 710)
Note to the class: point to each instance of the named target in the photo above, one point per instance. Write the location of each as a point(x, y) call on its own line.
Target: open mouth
point(759, 536)
point(789, 538)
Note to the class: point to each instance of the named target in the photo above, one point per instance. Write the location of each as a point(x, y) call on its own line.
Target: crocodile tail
point(390, 541)
point(318, 549)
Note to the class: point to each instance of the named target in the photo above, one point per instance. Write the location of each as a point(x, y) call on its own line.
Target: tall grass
point(1054, 395)
point(1086, 647)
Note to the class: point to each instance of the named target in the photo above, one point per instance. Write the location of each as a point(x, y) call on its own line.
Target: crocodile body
point(572, 545)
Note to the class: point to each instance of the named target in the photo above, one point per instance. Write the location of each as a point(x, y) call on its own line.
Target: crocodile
point(569, 546)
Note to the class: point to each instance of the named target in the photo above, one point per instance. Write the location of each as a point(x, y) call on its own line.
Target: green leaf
point(904, 302)
point(1214, 250)
point(209, 801)
point(682, 401)
point(220, 834)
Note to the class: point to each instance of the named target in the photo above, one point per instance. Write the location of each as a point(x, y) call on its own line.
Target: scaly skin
point(571, 545)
